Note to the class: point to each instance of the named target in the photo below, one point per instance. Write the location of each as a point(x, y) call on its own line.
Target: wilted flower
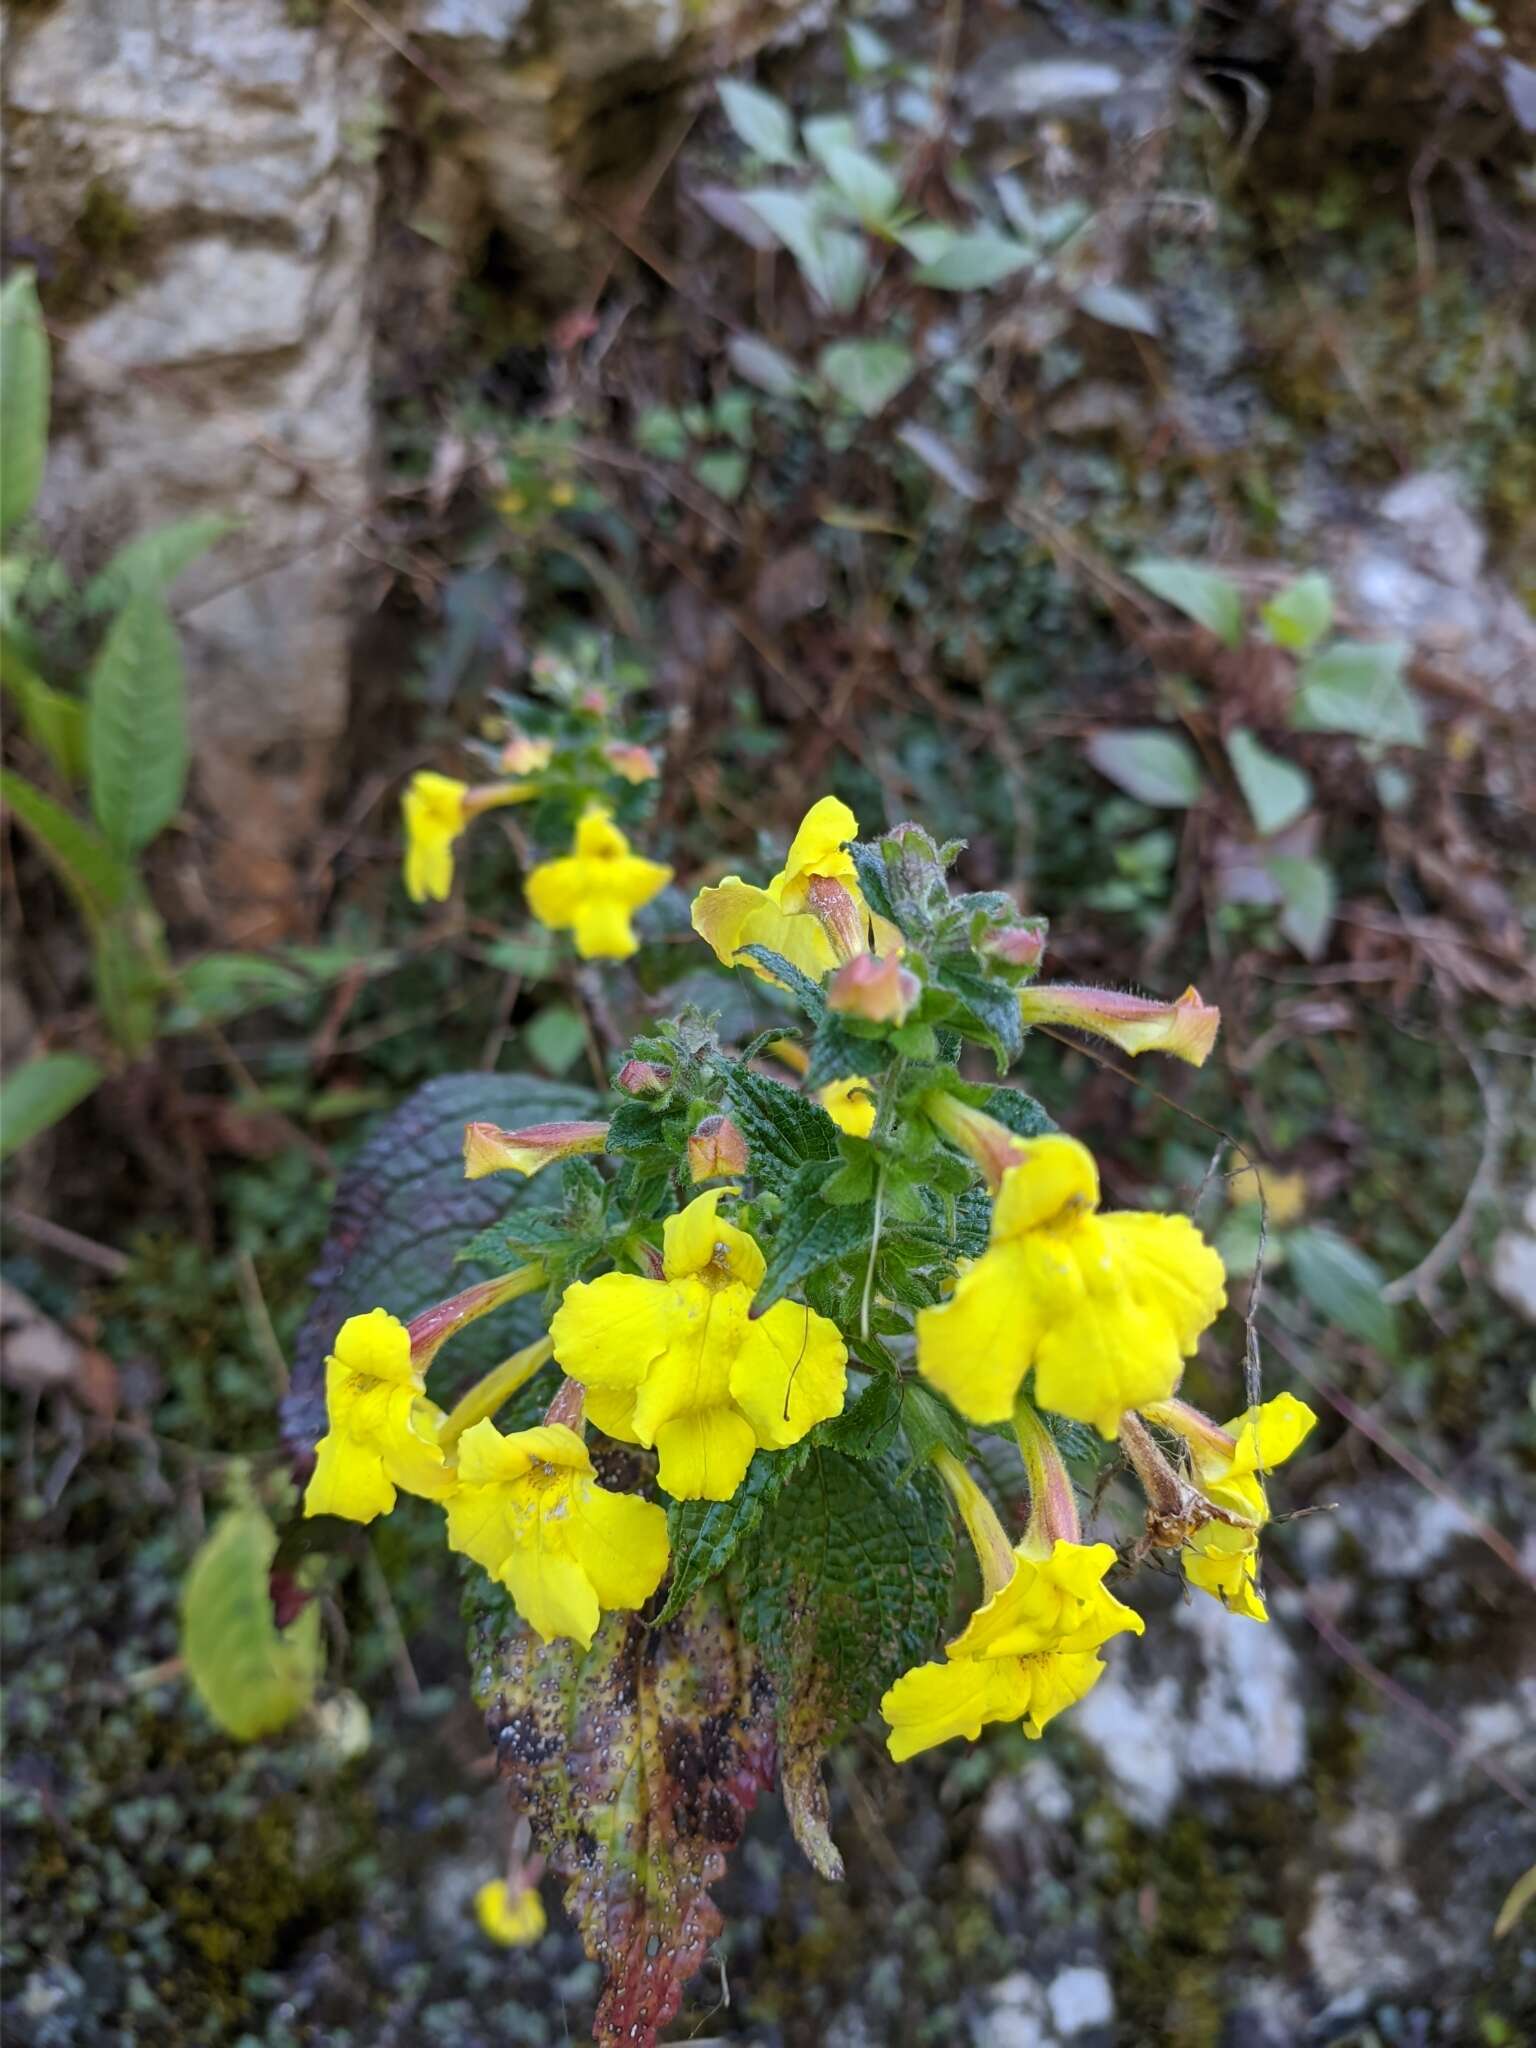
point(715, 1147)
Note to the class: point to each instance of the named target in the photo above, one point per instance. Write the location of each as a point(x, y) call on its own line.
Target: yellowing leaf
point(251, 1676)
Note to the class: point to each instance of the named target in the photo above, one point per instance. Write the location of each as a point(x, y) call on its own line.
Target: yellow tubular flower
point(529, 1509)
point(1220, 1558)
point(736, 913)
point(595, 889)
point(851, 1104)
point(434, 813)
point(1023, 1656)
point(383, 1430)
point(1104, 1307)
point(678, 1363)
point(512, 1918)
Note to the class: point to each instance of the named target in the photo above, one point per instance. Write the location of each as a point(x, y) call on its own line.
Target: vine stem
point(874, 1247)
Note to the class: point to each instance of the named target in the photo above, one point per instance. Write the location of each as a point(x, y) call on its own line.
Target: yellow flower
point(736, 914)
point(851, 1104)
point(513, 1918)
point(1186, 1028)
point(595, 888)
point(1221, 1558)
point(433, 807)
point(1104, 1307)
point(1024, 1656)
point(383, 1430)
point(529, 1509)
point(677, 1363)
point(489, 1149)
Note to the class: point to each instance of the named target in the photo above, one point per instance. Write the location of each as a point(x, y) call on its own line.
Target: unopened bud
point(523, 756)
point(488, 1149)
point(1187, 1028)
point(838, 915)
point(634, 763)
point(1016, 945)
point(991, 1144)
point(875, 987)
point(642, 1077)
point(716, 1147)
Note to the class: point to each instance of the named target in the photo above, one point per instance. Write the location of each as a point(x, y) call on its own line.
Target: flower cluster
point(672, 1316)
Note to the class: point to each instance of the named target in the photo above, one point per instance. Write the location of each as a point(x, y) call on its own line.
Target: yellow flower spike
point(529, 1509)
point(679, 1363)
point(850, 1103)
point(1220, 1558)
point(1186, 1028)
point(1105, 1308)
point(783, 917)
point(594, 891)
point(1025, 1655)
point(514, 1919)
point(381, 1433)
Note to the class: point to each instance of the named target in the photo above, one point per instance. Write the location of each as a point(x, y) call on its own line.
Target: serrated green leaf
point(930, 1424)
point(806, 992)
point(1276, 792)
point(706, 1534)
point(874, 877)
point(24, 382)
point(1019, 1111)
point(867, 1426)
point(1344, 1284)
point(982, 1009)
point(1204, 595)
point(136, 737)
point(762, 122)
point(785, 1131)
point(152, 561)
point(251, 1676)
point(809, 1235)
point(837, 1052)
point(1154, 767)
point(35, 1095)
point(97, 880)
point(1298, 616)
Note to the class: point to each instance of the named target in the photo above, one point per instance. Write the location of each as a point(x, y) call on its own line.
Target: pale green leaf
point(863, 183)
point(1344, 1284)
point(867, 374)
point(1204, 595)
point(97, 880)
point(836, 268)
point(1154, 767)
point(24, 382)
point(1114, 306)
point(52, 719)
point(1358, 687)
point(763, 365)
point(968, 262)
point(762, 122)
point(39, 1092)
point(154, 560)
point(1298, 616)
point(556, 1037)
point(1311, 895)
point(1276, 791)
point(137, 736)
point(723, 471)
point(251, 1676)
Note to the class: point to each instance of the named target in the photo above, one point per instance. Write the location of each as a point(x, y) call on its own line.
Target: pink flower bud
point(716, 1147)
point(876, 988)
point(992, 1146)
point(1187, 1028)
point(523, 756)
point(488, 1149)
point(1017, 945)
point(838, 915)
point(634, 763)
point(642, 1077)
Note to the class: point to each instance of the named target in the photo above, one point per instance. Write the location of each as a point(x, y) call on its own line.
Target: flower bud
point(878, 989)
point(1187, 1028)
point(1016, 945)
point(488, 1149)
point(715, 1147)
point(642, 1077)
point(838, 915)
point(634, 763)
point(523, 756)
point(980, 1137)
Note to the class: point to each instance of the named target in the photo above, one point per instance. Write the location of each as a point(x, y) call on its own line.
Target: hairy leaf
point(251, 1676)
point(401, 1214)
point(35, 1095)
point(806, 992)
point(136, 734)
point(848, 1585)
point(810, 1235)
point(988, 1010)
point(783, 1129)
point(706, 1534)
point(636, 1763)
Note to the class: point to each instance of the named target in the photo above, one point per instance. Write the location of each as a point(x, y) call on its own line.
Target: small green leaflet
point(1209, 598)
point(136, 737)
point(251, 1676)
point(24, 381)
point(1344, 1285)
point(35, 1095)
point(1277, 793)
point(1154, 767)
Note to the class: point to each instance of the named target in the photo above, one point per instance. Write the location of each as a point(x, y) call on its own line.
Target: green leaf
point(556, 1037)
point(35, 1095)
point(24, 379)
point(152, 561)
point(1154, 767)
point(868, 188)
point(1311, 895)
point(972, 262)
point(1209, 598)
point(53, 720)
point(1358, 687)
point(130, 973)
point(800, 985)
point(136, 741)
point(1298, 616)
point(636, 1763)
point(723, 471)
point(764, 365)
point(867, 1427)
point(251, 1676)
point(983, 1009)
point(848, 1585)
point(762, 122)
point(835, 266)
point(810, 1235)
point(866, 374)
point(97, 880)
point(223, 985)
point(1344, 1285)
point(1277, 792)
point(784, 1129)
point(1114, 306)
point(706, 1534)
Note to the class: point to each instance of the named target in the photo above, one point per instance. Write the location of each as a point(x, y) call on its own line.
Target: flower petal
point(1057, 1681)
point(619, 1541)
point(606, 1332)
point(692, 1241)
point(349, 1481)
point(705, 1453)
point(790, 1373)
point(1169, 1267)
point(936, 1702)
point(376, 1345)
point(976, 1347)
point(550, 1590)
